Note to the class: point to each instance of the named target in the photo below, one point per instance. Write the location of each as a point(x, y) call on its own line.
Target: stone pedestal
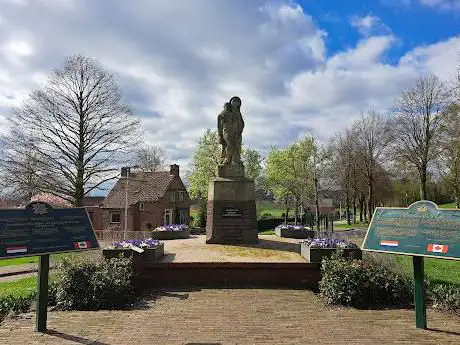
point(232, 216)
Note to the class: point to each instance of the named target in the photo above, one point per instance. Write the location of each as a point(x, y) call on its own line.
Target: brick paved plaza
point(239, 316)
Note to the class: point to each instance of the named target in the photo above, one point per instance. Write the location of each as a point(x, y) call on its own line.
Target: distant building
point(154, 199)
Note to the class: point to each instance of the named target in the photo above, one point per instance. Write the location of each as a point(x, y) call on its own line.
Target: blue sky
point(300, 67)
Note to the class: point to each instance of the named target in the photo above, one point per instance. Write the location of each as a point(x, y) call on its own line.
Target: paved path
point(240, 316)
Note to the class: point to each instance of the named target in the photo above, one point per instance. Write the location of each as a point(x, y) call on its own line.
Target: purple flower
point(147, 243)
point(172, 227)
point(293, 227)
point(328, 243)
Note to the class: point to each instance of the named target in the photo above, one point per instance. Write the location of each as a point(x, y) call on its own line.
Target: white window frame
point(141, 206)
point(183, 216)
point(172, 196)
point(111, 217)
point(168, 211)
point(182, 195)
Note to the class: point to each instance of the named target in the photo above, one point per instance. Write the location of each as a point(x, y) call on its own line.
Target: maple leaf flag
point(82, 245)
point(437, 248)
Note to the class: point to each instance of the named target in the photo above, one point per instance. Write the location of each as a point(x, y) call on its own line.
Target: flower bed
point(315, 249)
point(171, 232)
point(153, 249)
point(294, 231)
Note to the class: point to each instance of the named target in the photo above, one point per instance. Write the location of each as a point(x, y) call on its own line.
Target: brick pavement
point(239, 316)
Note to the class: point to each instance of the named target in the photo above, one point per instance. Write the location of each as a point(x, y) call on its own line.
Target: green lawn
point(19, 261)
point(435, 269)
point(29, 259)
point(267, 232)
point(22, 287)
point(264, 207)
point(451, 205)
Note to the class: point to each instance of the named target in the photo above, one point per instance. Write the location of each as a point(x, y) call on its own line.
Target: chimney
point(174, 170)
point(125, 171)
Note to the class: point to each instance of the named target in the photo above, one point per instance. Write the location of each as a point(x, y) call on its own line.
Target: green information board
point(41, 229)
point(422, 229)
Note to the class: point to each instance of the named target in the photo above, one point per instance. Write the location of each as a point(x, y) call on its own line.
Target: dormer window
point(182, 195)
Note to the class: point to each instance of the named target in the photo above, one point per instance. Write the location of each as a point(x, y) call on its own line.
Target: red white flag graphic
point(15, 250)
point(82, 245)
point(437, 248)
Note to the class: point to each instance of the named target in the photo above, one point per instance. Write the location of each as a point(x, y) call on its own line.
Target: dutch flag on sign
point(16, 250)
point(82, 245)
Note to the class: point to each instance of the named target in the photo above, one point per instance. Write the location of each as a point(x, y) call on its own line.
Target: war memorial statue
point(231, 216)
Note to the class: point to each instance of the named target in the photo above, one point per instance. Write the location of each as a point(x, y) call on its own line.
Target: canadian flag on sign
point(82, 245)
point(437, 248)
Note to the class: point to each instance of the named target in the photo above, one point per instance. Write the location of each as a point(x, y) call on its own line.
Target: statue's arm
point(220, 127)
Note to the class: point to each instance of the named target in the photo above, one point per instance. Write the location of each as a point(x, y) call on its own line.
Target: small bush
point(93, 285)
point(362, 284)
point(15, 304)
point(444, 296)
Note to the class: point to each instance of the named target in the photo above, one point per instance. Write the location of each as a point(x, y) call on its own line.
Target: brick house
point(92, 205)
point(154, 199)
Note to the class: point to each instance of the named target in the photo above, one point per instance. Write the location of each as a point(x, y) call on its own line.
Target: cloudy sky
point(298, 66)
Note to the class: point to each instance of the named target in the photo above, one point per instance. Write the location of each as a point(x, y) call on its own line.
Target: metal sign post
point(42, 299)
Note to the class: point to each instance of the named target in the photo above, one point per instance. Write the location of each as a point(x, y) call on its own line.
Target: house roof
point(93, 200)
point(142, 187)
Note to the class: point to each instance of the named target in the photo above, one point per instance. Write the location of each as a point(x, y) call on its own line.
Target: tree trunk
point(354, 208)
point(315, 181)
point(423, 184)
point(79, 188)
point(370, 200)
point(361, 209)
point(347, 206)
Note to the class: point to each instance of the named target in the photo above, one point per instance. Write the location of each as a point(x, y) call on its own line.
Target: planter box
point(149, 254)
point(294, 233)
point(316, 255)
point(170, 234)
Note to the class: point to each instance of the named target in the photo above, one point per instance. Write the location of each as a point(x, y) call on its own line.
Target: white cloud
point(442, 4)
point(369, 25)
point(178, 64)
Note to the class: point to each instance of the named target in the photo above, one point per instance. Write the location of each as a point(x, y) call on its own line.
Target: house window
point(182, 195)
point(172, 196)
point(168, 217)
point(141, 206)
point(115, 217)
point(183, 217)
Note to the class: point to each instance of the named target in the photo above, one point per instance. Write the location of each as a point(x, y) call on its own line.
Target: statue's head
point(235, 102)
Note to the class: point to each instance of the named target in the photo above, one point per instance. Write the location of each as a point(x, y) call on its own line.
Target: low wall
point(227, 274)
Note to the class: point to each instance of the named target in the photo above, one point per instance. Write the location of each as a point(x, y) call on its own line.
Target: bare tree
point(21, 171)
point(372, 139)
point(81, 128)
point(450, 157)
point(416, 125)
point(343, 162)
point(150, 158)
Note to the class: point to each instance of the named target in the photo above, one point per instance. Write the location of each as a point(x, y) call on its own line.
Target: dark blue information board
point(41, 229)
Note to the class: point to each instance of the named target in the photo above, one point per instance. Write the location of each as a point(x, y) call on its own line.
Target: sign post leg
point(419, 292)
point(42, 300)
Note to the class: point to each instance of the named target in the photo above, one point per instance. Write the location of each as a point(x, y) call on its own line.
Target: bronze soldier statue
point(230, 127)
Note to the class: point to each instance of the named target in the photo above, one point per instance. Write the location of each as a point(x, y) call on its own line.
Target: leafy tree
point(289, 172)
point(80, 126)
